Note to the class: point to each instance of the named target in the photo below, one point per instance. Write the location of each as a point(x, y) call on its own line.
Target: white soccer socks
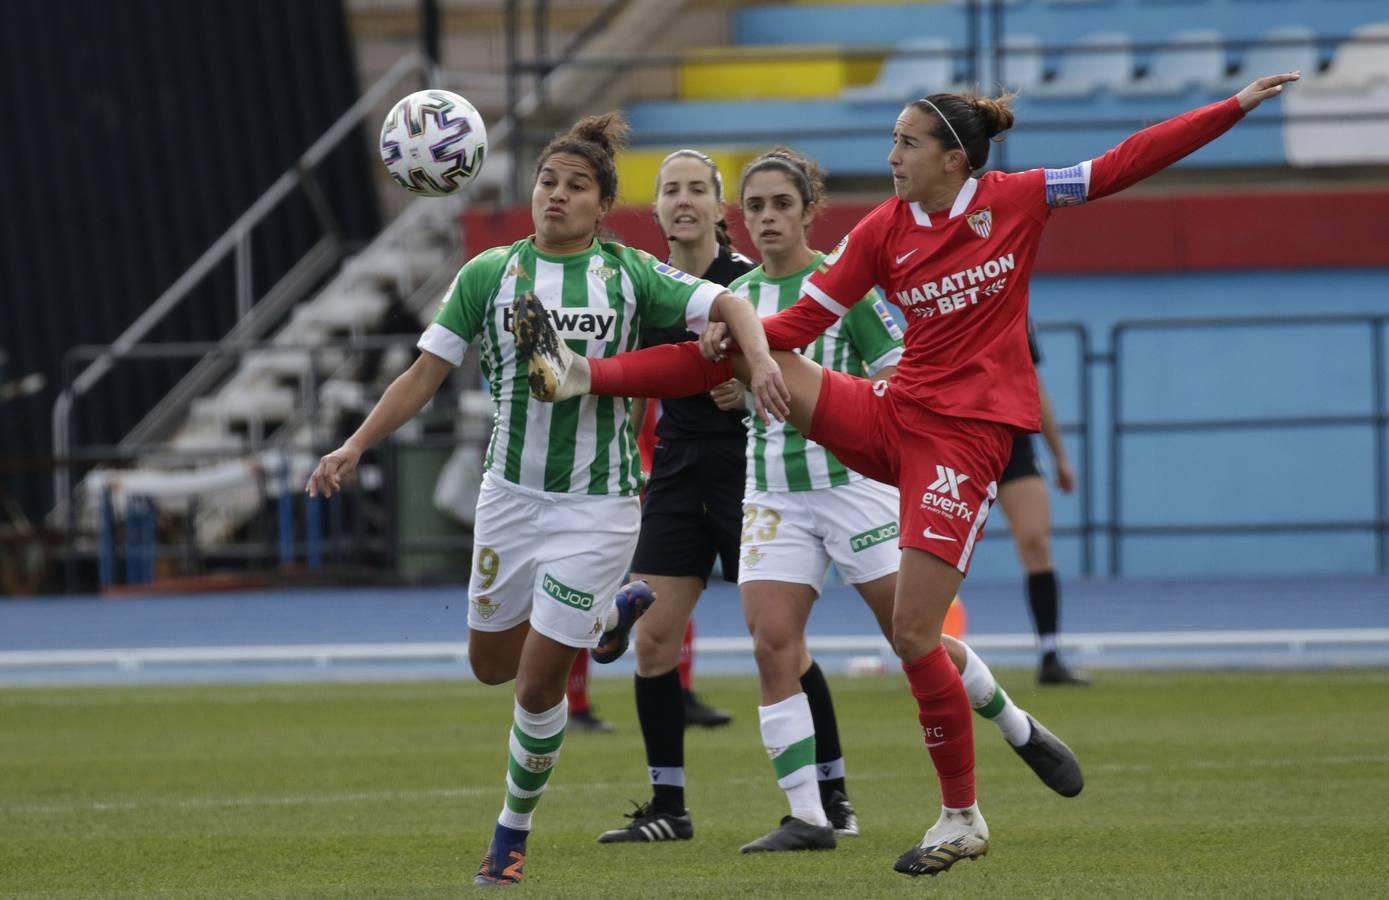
point(989, 699)
point(788, 733)
point(536, 739)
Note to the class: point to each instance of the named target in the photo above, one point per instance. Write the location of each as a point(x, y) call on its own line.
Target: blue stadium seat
point(1363, 61)
point(1292, 47)
point(851, 24)
point(1191, 58)
point(1020, 68)
point(918, 67)
point(1098, 61)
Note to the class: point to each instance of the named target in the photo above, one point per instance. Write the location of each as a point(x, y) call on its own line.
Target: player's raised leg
point(1045, 753)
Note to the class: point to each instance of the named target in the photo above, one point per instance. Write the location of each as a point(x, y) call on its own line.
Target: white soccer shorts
point(555, 559)
point(794, 536)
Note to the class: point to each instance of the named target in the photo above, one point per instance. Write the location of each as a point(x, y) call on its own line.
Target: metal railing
point(280, 483)
point(1377, 419)
point(236, 242)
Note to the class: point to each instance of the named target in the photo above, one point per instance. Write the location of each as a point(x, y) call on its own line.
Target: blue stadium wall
point(1318, 480)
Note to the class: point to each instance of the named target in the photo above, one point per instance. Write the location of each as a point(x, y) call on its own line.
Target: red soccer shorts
point(946, 469)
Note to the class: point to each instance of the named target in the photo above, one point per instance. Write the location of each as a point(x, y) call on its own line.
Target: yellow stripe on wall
point(637, 170)
point(765, 73)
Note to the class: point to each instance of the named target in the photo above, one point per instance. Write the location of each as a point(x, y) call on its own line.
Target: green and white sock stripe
point(789, 764)
point(535, 742)
point(532, 761)
point(988, 698)
point(996, 703)
point(780, 458)
point(788, 733)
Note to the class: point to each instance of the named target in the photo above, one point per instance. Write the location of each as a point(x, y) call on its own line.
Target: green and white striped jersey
point(780, 458)
point(598, 300)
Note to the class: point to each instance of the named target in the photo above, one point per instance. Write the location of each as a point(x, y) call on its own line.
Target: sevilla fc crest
point(981, 221)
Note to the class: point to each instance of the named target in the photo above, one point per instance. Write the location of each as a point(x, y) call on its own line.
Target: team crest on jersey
point(752, 556)
point(672, 272)
point(982, 221)
point(485, 607)
point(604, 273)
point(518, 271)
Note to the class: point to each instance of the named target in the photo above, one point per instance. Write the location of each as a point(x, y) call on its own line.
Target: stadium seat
point(1292, 47)
point(1020, 68)
point(848, 24)
point(1358, 64)
point(1098, 61)
point(1188, 58)
point(918, 67)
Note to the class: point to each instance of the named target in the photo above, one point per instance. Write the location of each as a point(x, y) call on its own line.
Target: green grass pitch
point(1198, 784)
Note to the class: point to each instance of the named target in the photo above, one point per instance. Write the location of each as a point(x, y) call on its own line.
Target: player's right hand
point(770, 395)
point(331, 470)
point(1065, 476)
point(1261, 89)
point(714, 342)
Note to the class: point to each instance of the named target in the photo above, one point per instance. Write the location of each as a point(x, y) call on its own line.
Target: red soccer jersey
point(961, 275)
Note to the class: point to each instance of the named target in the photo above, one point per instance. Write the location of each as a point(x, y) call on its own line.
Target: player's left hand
point(729, 395)
point(1263, 88)
point(1065, 476)
point(714, 342)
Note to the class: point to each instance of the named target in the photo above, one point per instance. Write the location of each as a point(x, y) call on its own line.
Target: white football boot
point(956, 835)
point(554, 371)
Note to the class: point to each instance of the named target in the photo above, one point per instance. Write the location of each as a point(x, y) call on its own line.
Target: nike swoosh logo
point(931, 535)
point(903, 258)
point(936, 744)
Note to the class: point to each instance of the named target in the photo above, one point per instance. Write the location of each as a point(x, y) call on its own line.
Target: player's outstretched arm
point(769, 391)
point(1154, 149)
point(402, 401)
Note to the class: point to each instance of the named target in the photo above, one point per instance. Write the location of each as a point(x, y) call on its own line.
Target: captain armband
point(1068, 187)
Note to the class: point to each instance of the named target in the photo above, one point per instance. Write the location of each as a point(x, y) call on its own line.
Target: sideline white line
point(202, 803)
point(323, 655)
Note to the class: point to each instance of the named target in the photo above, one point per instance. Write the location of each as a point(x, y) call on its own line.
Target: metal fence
point(1376, 419)
point(290, 528)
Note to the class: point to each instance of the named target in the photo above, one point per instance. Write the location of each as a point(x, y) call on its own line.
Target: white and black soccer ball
point(433, 143)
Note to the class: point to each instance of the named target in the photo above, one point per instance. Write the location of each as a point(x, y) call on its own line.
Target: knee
point(538, 698)
point(913, 640)
point(1035, 550)
point(776, 652)
point(657, 649)
point(490, 670)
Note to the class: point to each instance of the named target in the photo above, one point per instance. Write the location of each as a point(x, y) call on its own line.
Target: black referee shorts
point(692, 511)
point(1022, 463)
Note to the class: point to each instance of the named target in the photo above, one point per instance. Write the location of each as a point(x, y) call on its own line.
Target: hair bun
point(609, 131)
point(996, 113)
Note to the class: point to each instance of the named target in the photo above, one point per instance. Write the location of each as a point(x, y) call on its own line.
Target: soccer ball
point(433, 143)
